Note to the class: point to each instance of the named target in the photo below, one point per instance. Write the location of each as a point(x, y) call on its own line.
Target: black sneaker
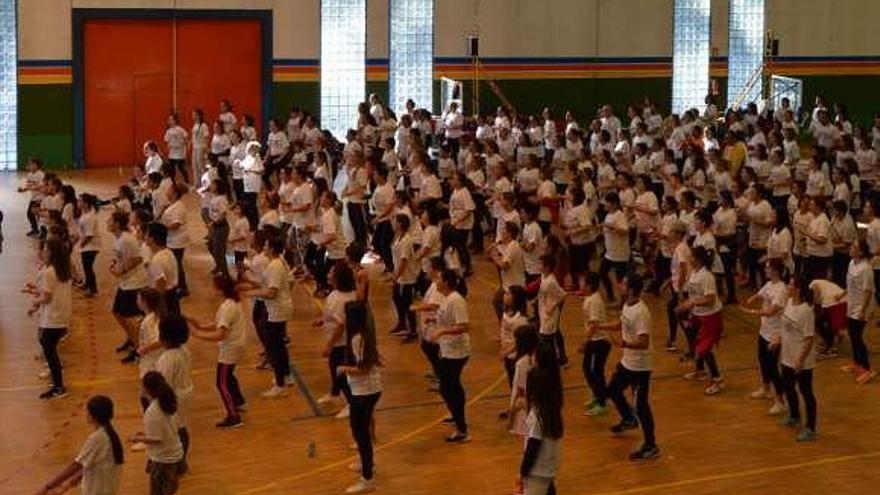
point(645, 453)
point(458, 437)
point(54, 393)
point(229, 424)
point(624, 426)
point(132, 357)
point(125, 346)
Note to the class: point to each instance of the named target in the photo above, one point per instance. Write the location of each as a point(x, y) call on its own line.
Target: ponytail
point(156, 387)
point(100, 408)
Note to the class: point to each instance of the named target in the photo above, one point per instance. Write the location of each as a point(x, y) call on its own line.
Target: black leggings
point(756, 271)
point(230, 392)
point(49, 338)
point(605, 267)
point(431, 350)
point(259, 317)
point(357, 217)
point(856, 338)
point(32, 212)
point(383, 237)
point(728, 260)
point(640, 381)
point(803, 379)
point(276, 349)
point(461, 245)
point(179, 167)
point(671, 317)
point(595, 354)
point(88, 262)
point(217, 240)
point(402, 294)
point(181, 273)
point(251, 210)
point(338, 382)
point(452, 390)
point(360, 421)
point(769, 361)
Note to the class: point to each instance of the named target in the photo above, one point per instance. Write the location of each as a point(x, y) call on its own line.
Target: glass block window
point(746, 51)
point(343, 63)
point(9, 87)
point(690, 54)
point(411, 53)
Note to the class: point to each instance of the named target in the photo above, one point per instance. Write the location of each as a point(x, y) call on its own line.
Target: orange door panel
point(122, 59)
point(219, 59)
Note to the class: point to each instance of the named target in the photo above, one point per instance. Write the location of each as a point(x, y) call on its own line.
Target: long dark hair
point(100, 408)
point(59, 258)
point(545, 402)
point(156, 387)
point(357, 323)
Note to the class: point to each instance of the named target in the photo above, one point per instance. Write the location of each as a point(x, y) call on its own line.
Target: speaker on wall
point(473, 46)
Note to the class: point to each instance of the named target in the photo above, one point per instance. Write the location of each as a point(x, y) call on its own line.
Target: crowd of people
point(708, 210)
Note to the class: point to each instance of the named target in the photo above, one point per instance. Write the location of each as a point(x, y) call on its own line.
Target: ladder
point(755, 78)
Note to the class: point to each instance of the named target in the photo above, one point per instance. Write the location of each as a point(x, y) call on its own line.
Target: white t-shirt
point(88, 227)
point(153, 164)
point(175, 364)
point(594, 312)
point(163, 265)
point(176, 213)
point(549, 455)
point(277, 276)
point(520, 381)
point(366, 384)
point(57, 312)
point(550, 293)
point(270, 217)
point(758, 234)
point(125, 249)
point(829, 293)
point(872, 237)
point(578, 217)
point(799, 324)
point(859, 280)
point(402, 249)
point(509, 324)
point(617, 243)
point(453, 311)
point(515, 273)
point(241, 228)
point(772, 294)
point(702, 283)
point(303, 195)
point(230, 315)
point(253, 173)
point(820, 226)
point(461, 205)
point(160, 426)
point(148, 334)
point(331, 224)
point(635, 321)
point(175, 138)
point(333, 316)
point(534, 236)
point(681, 254)
point(100, 474)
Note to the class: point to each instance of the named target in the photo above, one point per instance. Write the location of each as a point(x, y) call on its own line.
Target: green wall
point(45, 124)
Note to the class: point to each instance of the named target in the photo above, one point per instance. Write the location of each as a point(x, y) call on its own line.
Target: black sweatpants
point(595, 355)
point(769, 361)
point(640, 381)
point(88, 262)
point(276, 349)
point(452, 390)
point(360, 419)
point(803, 380)
point(856, 330)
point(49, 338)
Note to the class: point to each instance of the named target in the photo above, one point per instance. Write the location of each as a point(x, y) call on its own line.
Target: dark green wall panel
point(45, 124)
point(299, 94)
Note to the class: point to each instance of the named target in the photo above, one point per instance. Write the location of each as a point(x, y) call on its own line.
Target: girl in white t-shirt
point(175, 366)
point(452, 333)
point(772, 296)
point(165, 452)
point(798, 356)
point(200, 137)
point(526, 342)
point(98, 465)
point(364, 379)
point(542, 454)
point(515, 316)
point(596, 348)
point(859, 304)
point(51, 303)
point(89, 240)
point(228, 331)
point(332, 322)
point(239, 235)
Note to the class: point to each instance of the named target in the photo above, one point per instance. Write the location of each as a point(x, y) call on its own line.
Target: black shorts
point(125, 303)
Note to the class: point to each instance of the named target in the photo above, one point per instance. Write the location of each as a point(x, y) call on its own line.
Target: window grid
point(343, 63)
point(9, 87)
point(690, 54)
point(411, 53)
point(746, 50)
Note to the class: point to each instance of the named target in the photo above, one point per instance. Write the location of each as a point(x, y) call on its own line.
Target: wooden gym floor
point(710, 445)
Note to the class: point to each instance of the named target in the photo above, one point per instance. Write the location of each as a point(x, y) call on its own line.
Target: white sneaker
point(138, 447)
point(362, 486)
point(327, 399)
point(760, 394)
point(344, 413)
point(44, 375)
point(274, 392)
point(715, 387)
point(777, 408)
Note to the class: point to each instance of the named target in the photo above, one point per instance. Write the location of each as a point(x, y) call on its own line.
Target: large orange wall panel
point(127, 86)
point(219, 59)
